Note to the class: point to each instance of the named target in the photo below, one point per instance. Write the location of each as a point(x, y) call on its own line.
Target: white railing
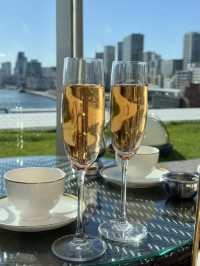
point(47, 118)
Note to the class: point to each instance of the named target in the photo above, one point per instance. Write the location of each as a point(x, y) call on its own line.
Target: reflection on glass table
point(170, 226)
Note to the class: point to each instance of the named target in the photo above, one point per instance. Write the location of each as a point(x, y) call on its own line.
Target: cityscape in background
point(172, 83)
point(27, 74)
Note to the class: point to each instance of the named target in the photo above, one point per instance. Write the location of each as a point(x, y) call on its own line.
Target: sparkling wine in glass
point(82, 124)
point(129, 106)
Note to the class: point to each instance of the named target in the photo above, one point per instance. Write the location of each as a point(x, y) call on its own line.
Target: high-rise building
point(109, 56)
point(49, 72)
point(169, 67)
point(34, 69)
point(191, 48)
point(195, 69)
point(133, 46)
point(183, 79)
point(49, 77)
point(0, 78)
point(196, 75)
point(6, 69)
point(177, 65)
point(34, 75)
point(21, 65)
point(119, 51)
point(99, 55)
point(153, 61)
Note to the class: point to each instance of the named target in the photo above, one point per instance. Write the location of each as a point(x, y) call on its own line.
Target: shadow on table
point(174, 155)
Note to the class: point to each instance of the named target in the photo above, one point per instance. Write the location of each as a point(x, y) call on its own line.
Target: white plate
point(62, 214)
point(113, 175)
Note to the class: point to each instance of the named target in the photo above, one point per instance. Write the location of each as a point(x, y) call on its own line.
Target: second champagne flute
point(129, 105)
point(82, 124)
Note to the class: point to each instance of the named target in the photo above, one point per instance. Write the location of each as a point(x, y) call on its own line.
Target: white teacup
point(34, 190)
point(143, 162)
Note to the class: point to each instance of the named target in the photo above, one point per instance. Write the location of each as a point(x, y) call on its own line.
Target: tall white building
point(109, 57)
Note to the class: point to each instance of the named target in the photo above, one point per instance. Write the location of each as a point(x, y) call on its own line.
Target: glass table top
point(170, 223)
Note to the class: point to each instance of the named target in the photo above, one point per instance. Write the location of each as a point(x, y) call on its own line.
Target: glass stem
point(80, 185)
point(124, 165)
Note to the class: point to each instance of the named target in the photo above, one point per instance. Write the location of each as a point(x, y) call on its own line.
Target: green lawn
point(185, 138)
point(13, 143)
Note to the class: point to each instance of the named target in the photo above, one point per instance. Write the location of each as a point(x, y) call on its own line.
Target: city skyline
point(162, 24)
point(27, 73)
point(13, 64)
point(99, 53)
point(22, 29)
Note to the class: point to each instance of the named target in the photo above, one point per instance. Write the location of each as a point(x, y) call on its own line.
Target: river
point(13, 99)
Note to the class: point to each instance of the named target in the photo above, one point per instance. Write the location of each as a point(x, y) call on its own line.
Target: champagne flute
point(129, 105)
point(82, 125)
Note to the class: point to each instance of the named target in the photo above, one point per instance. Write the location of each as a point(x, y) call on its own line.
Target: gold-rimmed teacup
point(34, 191)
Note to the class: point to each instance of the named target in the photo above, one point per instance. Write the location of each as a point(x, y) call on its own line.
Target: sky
point(30, 26)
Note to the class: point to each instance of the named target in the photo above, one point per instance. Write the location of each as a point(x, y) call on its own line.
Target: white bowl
point(34, 190)
point(143, 163)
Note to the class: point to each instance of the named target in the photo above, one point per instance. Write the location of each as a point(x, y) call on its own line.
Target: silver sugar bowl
point(181, 185)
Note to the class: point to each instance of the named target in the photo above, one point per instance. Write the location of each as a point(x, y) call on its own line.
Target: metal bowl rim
point(168, 177)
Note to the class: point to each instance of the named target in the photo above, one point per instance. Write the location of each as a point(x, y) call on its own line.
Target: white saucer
point(113, 175)
point(62, 214)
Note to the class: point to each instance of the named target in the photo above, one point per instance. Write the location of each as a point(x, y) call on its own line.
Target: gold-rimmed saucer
point(62, 214)
point(113, 175)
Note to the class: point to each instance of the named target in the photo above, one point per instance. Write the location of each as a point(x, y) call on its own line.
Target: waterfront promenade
point(49, 94)
point(46, 119)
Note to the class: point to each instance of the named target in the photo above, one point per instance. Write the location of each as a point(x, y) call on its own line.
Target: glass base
point(74, 249)
point(123, 232)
